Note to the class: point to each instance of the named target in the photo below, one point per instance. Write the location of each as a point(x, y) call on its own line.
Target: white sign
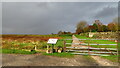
point(52, 41)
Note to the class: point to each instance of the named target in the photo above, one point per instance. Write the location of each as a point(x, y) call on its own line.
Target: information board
point(52, 41)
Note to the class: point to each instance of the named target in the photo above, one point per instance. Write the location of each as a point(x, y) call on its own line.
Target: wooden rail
point(91, 51)
point(90, 44)
point(88, 50)
point(91, 39)
point(90, 54)
point(92, 48)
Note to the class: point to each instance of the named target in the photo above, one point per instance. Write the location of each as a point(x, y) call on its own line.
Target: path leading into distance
point(98, 59)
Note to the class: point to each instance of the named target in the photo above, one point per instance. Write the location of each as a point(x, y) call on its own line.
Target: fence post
point(64, 46)
point(52, 48)
point(117, 51)
point(88, 48)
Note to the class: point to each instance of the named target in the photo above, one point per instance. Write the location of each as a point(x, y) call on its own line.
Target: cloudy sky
point(51, 17)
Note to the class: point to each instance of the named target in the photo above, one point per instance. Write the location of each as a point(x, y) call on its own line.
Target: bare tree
point(80, 26)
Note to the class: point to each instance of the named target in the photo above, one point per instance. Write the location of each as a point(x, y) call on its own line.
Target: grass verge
point(13, 51)
point(113, 58)
point(97, 42)
point(65, 55)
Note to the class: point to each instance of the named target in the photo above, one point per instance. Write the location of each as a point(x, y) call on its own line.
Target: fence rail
point(93, 48)
point(91, 51)
point(91, 39)
point(88, 49)
point(90, 54)
point(90, 44)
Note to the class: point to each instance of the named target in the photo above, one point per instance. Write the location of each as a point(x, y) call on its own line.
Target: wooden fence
point(89, 48)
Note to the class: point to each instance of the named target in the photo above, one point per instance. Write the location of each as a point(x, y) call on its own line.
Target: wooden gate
point(90, 48)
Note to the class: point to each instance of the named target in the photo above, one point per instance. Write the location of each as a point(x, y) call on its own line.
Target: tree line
point(97, 26)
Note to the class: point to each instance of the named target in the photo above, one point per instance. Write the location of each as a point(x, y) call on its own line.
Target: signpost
point(52, 41)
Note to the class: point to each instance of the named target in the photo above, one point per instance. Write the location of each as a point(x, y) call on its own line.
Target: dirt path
point(75, 40)
point(99, 60)
point(42, 60)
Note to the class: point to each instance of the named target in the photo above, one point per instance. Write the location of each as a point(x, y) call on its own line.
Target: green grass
point(82, 37)
point(60, 42)
point(41, 45)
point(13, 51)
point(100, 41)
point(66, 36)
point(65, 55)
point(104, 46)
point(97, 42)
point(113, 58)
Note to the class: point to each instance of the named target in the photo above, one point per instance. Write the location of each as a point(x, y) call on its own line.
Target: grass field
point(11, 43)
point(97, 42)
point(60, 42)
point(16, 43)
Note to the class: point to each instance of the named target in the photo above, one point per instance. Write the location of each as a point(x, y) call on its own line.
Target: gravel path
point(75, 40)
point(42, 60)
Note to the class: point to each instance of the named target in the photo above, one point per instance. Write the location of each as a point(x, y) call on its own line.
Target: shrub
point(27, 47)
point(42, 45)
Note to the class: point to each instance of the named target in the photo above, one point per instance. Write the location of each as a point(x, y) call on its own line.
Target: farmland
point(23, 44)
point(97, 42)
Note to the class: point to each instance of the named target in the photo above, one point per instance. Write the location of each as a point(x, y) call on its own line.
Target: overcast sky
point(51, 17)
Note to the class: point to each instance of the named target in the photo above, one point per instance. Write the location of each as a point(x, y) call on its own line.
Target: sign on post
point(52, 41)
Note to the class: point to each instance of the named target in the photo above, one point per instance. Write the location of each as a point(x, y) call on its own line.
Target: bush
point(42, 45)
point(27, 47)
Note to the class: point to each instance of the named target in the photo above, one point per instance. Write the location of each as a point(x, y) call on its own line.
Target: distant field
point(64, 37)
point(97, 42)
point(22, 44)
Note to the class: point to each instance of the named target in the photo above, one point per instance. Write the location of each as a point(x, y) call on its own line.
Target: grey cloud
point(106, 12)
point(0, 18)
point(50, 17)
